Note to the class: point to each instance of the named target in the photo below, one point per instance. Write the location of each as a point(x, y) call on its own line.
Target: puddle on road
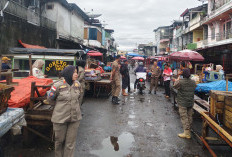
point(131, 116)
point(148, 124)
point(142, 99)
point(116, 146)
point(132, 124)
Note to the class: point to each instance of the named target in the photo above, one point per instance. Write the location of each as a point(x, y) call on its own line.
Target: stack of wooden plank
point(217, 104)
point(228, 112)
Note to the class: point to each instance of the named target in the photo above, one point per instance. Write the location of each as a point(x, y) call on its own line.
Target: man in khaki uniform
point(156, 72)
point(81, 78)
point(66, 115)
point(115, 77)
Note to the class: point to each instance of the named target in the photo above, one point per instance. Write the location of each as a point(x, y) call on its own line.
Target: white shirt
point(37, 73)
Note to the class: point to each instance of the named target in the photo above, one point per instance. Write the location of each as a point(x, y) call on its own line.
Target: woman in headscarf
point(37, 68)
point(66, 116)
point(219, 69)
point(81, 78)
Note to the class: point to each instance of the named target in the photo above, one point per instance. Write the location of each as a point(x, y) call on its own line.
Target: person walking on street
point(156, 72)
point(185, 100)
point(115, 77)
point(167, 73)
point(81, 78)
point(125, 77)
point(65, 95)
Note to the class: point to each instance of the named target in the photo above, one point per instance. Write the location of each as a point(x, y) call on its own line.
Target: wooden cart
point(224, 133)
point(38, 114)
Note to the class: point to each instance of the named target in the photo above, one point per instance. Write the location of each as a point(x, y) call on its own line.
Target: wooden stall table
point(224, 134)
point(102, 86)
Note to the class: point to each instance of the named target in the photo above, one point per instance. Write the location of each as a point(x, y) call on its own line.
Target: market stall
point(186, 56)
point(97, 81)
point(218, 120)
point(37, 111)
point(96, 55)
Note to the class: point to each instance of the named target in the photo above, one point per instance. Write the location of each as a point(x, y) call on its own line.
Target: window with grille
point(212, 32)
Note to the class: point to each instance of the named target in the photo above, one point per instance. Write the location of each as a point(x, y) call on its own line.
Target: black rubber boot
point(113, 99)
point(116, 101)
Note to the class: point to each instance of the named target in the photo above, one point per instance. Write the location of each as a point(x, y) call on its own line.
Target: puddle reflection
point(116, 146)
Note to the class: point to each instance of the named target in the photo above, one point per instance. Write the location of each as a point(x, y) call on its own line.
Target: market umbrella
point(186, 55)
point(92, 51)
point(138, 58)
point(122, 57)
point(95, 54)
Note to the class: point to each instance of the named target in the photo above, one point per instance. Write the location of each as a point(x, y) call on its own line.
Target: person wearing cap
point(5, 66)
point(66, 116)
point(125, 77)
point(115, 77)
point(185, 100)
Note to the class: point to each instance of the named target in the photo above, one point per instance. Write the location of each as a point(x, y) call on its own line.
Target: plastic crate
point(5, 91)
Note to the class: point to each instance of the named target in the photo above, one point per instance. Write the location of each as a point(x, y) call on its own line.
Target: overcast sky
point(135, 20)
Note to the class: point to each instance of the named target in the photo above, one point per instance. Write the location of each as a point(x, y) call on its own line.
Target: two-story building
point(193, 30)
point(49, 23)
point(69, 20)
point(162, 39)
point(22, 20)
point(218, 46)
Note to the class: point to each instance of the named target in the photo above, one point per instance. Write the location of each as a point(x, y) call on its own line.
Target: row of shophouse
point(52, 24)
point(206, 29)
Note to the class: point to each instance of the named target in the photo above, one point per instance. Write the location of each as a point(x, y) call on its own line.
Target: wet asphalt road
point(141, 126)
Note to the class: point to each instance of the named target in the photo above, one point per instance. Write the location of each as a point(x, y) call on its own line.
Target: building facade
point(22, 20)
point(162, 39)
point(69, 20)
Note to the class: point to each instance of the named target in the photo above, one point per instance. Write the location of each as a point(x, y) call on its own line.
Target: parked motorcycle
point(141, 79)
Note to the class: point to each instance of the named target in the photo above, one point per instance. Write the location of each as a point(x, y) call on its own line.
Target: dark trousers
point(136, 81)
point(167, 87)
point(129, 84)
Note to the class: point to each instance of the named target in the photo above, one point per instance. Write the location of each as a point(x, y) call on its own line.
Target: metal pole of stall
point(30, 64)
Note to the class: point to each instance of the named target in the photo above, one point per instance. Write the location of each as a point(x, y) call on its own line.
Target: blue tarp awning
point(134, 55)
point(216, 85)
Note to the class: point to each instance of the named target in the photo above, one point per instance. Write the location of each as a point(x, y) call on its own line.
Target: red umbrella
point(138, 58)
point(122, 57)
point(187, 55)
point(95, 54)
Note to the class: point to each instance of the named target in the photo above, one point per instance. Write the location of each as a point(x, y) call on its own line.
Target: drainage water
point(116, 146)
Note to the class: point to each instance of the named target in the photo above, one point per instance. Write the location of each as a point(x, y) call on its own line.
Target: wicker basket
point(5, 91)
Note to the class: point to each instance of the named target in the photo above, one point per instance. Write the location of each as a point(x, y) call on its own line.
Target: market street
point(146, 126)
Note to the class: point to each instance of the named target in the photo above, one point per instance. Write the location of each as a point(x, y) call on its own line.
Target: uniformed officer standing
point(115, 77)
point(156, 72)
point(67, 114)
point(81, 78)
